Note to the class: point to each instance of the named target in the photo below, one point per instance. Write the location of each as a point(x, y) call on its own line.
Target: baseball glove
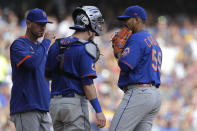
point(119, 40)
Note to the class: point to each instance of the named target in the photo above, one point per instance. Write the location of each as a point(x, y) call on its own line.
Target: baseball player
point(71, 67)
point(30, 95)
point(140, 64)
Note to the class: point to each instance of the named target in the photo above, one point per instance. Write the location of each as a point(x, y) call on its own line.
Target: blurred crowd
point(178, 40)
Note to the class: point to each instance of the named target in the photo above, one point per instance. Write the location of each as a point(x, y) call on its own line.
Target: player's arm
point(91, 95)
point(88, 73)
point(23, 56)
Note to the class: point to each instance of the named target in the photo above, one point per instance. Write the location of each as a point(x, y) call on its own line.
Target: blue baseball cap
point(38, 16)
point(132, 12)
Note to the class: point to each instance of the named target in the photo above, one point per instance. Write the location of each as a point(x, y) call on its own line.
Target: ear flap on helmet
point(94, 17)
point(81, 20)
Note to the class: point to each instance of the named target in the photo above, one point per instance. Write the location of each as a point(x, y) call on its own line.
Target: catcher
point(139, 58)
point(71, 67)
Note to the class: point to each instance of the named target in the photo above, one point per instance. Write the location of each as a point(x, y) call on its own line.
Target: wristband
point(95, 103)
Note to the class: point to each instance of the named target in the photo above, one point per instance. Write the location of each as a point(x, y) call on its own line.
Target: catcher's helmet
point(88, 18)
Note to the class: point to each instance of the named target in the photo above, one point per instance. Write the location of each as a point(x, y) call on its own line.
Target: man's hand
point(49, 35)
point(100, 120)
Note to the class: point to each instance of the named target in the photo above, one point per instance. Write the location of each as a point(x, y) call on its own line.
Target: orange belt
point(143, 85)
point(125, 88)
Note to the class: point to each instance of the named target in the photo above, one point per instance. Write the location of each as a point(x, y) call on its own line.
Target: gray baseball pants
point(137, 109)
point(32, 121)
point(70, 113)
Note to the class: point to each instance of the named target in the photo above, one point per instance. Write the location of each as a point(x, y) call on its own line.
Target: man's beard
point(37, 35)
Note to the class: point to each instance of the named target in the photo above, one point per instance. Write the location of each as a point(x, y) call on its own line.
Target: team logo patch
point(68, 40)
point(64, 42)
point(135, 14)
point(93, 67)
point(126, 52)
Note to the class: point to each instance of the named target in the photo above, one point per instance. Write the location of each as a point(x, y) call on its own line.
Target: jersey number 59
point(156, 58)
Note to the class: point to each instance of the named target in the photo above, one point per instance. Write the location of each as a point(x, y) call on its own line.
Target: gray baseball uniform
point(70, 113)
point(32, 121)
point(137, 109)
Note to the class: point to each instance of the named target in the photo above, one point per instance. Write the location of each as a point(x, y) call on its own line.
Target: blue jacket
point(30, 91)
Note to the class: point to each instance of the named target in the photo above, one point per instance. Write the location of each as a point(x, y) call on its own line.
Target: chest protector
point(90, 47)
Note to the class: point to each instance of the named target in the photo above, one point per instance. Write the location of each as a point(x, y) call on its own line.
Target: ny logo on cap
point(135, 14)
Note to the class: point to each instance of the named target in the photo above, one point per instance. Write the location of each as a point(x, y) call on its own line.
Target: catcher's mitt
point(119, 40)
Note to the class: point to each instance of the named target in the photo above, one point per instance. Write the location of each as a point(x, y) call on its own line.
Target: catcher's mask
point(88, 18)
